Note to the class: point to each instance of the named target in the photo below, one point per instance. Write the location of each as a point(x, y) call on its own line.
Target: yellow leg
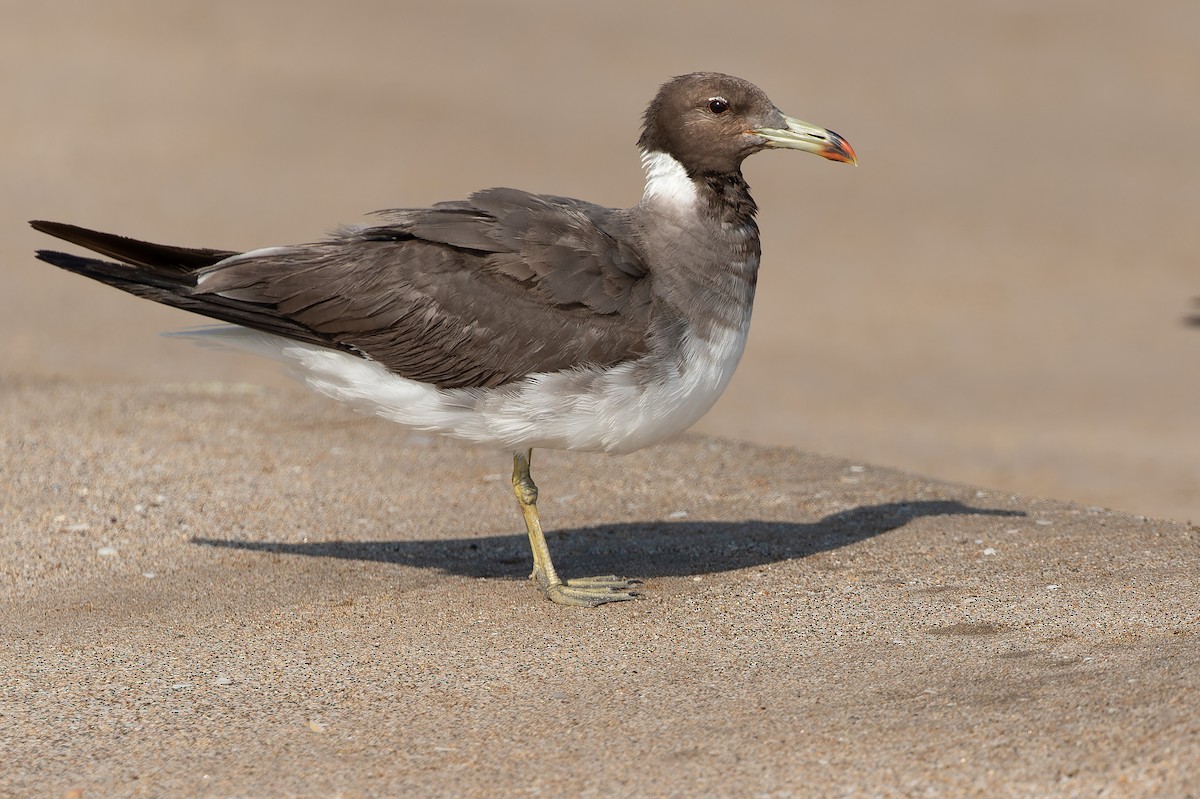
point(583, 592)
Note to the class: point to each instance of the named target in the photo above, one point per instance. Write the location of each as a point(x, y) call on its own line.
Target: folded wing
point(474, 293)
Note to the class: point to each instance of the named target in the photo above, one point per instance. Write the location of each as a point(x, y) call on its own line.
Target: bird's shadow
point(638, 549)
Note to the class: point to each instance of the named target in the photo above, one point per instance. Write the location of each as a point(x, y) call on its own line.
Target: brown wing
point(475, 293)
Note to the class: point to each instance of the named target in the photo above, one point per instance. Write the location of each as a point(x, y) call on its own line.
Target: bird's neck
point(726, 197)
point(703, 226)
point(722, 197)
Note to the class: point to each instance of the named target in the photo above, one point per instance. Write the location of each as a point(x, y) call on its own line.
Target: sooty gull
point(513, 319)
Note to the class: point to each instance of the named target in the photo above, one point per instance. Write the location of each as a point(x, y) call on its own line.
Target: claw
point(603, 581)
point(586, 596)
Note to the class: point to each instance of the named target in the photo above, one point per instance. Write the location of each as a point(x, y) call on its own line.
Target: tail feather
point(132, 251)
point(167, 275)
point(145, 282)
point(155, 271)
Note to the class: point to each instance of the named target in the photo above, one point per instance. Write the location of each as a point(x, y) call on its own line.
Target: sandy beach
point(221, 593)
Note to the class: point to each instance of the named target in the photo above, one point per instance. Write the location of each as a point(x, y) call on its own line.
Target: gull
point(512, 319)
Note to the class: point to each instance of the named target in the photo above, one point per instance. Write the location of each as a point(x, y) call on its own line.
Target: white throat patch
point(667, 182)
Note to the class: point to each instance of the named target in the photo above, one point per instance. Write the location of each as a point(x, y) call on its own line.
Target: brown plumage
point(470, 293)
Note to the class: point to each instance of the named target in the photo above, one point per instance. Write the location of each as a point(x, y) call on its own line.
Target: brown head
point(710, 122)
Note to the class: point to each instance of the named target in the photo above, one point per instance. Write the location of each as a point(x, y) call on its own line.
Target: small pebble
point(76, 528)
point(106, 552)
point(679, 514)
point(989, 551)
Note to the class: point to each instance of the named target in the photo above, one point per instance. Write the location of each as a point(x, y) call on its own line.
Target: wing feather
point(472, 293)
point(469, 293)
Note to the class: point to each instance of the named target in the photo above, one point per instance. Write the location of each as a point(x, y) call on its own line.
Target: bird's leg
point(584, 592)
point(527, 494)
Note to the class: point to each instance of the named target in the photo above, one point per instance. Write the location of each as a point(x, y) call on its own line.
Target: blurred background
point(995, 296)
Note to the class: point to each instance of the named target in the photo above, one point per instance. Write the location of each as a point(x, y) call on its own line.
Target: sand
point(211, 591)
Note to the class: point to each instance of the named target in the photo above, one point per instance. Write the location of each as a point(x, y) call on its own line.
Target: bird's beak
point(803, 136)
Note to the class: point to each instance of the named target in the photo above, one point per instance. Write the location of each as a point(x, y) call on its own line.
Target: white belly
point(582, 410)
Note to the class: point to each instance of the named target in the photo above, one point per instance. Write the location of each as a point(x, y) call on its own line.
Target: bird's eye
point(718, 105)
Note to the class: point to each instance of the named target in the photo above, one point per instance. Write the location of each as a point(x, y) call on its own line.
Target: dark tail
point(154, 271)
point(133, 252)
point(165, 274)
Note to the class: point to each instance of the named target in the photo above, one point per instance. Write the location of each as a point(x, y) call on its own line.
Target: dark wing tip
point(61, 230)
point(64, 260)
point(51, 228)
point(133, 251)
